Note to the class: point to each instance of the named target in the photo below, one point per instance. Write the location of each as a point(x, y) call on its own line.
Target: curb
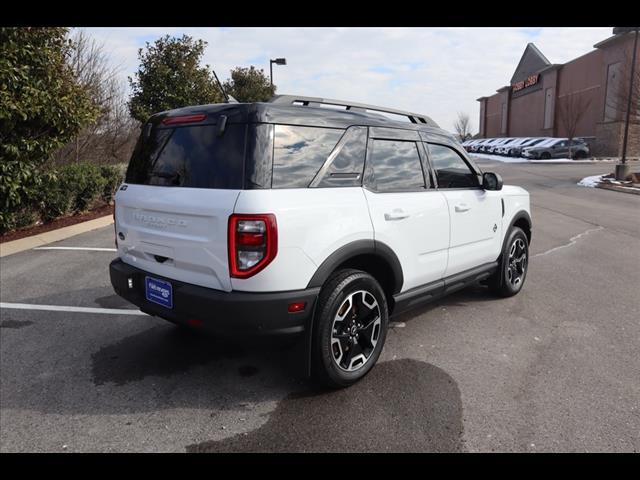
point(27, 243)
point(617, 188)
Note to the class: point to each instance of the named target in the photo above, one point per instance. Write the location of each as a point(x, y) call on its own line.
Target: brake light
point(253, 243)
point(184, 119)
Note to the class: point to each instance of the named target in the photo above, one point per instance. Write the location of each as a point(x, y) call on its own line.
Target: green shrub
point(64, 191)
point(113, 177)
point(19, 186)
point(23, 217)
point(55, 199)
point(85, 183)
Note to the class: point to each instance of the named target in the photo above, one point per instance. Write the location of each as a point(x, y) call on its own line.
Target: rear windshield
point(192, 156)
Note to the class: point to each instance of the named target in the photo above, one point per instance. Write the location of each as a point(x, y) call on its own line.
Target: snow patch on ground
point(607, 179)
point(497, 158)
point(500, 158)
point(591, 181)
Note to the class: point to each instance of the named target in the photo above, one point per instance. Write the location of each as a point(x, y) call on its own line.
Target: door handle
point(395, 215)
point(462, 207)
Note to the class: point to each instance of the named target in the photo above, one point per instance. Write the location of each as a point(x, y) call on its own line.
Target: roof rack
point(351, 106)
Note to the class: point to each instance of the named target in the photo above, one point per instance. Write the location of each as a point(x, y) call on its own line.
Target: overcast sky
point(435, 71)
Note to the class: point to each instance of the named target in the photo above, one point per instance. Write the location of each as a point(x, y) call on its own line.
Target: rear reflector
point(184, 119)
point(297, 307)
point(195, 323)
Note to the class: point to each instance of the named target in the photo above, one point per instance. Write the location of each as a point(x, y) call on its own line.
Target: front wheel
point(350, 328)
point(514, 261)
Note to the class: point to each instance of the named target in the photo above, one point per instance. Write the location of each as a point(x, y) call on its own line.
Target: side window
point(451, 169)
point(344, 166)
point(299, 152)
point(394, 166)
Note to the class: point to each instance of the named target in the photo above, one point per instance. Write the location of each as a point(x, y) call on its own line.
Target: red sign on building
point(532, 80)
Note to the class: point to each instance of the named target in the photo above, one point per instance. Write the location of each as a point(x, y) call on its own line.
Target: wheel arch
point(375, 258)
point(521, 219)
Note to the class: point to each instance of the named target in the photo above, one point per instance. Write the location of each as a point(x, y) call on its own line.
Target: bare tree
point(111, 138)
point(571, 109)
point(463, 126)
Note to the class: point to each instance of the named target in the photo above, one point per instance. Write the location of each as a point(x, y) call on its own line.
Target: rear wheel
point(579, 155)
point(514, 261)
point(350, 328)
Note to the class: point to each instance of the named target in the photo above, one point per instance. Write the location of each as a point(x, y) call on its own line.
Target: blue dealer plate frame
point(158, 291)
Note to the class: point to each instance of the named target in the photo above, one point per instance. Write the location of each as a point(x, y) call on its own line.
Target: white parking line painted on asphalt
point(62, 308)
point(572, 241)
point(90, 249)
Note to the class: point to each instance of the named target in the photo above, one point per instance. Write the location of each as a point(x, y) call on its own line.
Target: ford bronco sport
point(312, 218)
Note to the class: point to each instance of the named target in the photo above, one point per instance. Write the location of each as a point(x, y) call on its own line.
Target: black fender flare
point(353, 249)
point(522, 214)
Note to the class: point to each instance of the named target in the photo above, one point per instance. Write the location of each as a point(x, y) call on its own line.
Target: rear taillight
point(253, 243)
point(115, 227)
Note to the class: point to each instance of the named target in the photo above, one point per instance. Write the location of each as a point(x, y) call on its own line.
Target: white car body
point(188, 241)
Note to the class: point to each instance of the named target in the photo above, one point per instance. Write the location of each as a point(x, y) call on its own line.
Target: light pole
point(277, 61)
point(623, 171)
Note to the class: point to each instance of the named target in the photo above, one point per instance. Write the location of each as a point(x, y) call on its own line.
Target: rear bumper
point(223, 313)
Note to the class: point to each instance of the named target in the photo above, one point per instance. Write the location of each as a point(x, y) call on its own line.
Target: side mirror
point(491, 181)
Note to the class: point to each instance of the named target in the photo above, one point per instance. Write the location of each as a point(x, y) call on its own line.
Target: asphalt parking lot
point(556, 368)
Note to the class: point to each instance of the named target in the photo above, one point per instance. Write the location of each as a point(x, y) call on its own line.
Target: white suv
point(291, 218)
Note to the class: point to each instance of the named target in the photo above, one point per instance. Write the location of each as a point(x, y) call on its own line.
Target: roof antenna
point(228, 98)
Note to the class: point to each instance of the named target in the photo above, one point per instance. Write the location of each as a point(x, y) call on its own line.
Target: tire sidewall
point(515, 233)
point(357, 281)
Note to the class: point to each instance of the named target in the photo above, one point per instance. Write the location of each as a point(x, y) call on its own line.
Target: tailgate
point(178, 233)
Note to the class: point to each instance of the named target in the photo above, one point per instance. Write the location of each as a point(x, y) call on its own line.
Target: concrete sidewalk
point(27, 243)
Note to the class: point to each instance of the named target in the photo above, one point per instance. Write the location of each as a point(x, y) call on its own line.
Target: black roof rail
point(351, 106)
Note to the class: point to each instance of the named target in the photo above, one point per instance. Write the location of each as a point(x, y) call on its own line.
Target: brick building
point(587, 95)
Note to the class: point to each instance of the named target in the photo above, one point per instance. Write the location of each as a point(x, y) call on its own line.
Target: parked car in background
point(516, 151)
point(505, 148)
point(557, 148)
point(474, 147)
point(467, 143)
point(484, 148)
point(470, 144)
point(492, 148)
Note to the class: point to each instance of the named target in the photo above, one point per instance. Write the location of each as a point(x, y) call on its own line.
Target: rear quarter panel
point(312, 224)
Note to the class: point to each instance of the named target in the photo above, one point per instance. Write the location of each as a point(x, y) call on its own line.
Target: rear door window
point(192, 156)
point(299, 152)
point(394, 165)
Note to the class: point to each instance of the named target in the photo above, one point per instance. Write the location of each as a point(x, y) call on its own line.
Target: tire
point(512, 273)
point(579, 155)
point(336, 329)
point(545, 156)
